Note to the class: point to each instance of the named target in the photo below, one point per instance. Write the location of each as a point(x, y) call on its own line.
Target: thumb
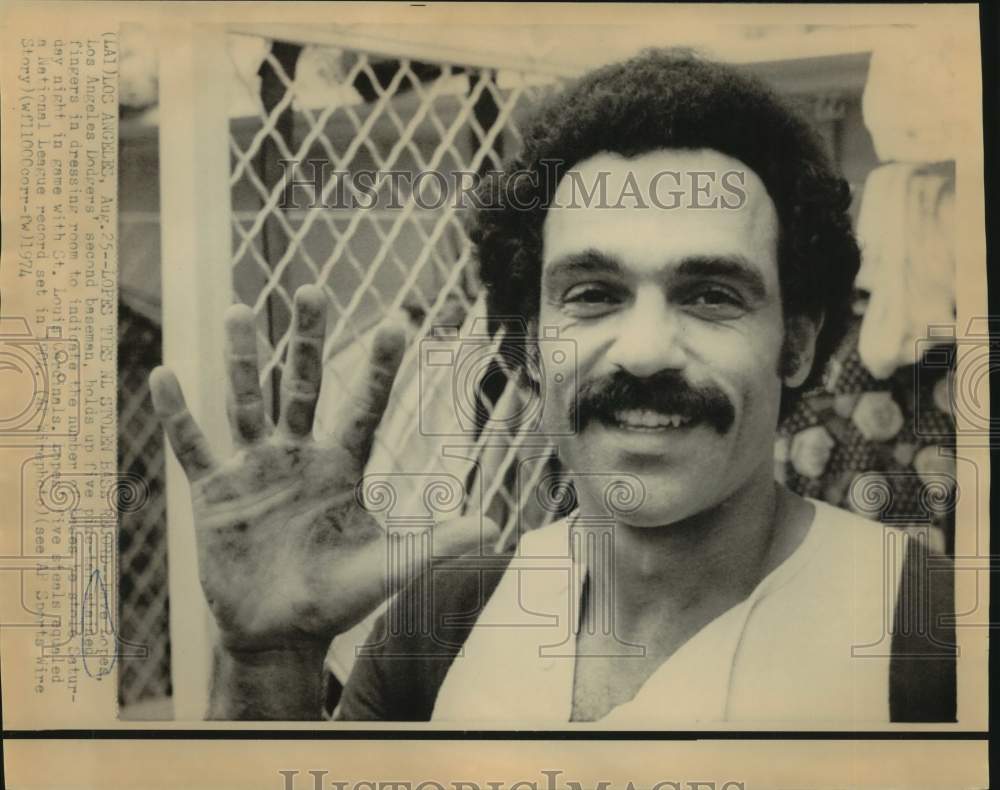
point(382, 568)
point(408, 552)
point(469, 535)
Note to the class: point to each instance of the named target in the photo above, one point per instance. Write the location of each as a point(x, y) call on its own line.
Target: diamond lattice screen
point(142, 536)
point(328, 111)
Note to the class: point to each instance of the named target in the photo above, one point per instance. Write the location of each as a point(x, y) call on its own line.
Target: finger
point(186, 439)
point(356, 431)
point(303, 371)
point(248, 417)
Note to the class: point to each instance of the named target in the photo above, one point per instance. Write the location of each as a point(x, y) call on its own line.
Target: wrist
point(270, 685)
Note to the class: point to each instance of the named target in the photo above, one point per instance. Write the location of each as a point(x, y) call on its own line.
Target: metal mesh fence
point(142, 533)
point(404, 254)
point(366, 112)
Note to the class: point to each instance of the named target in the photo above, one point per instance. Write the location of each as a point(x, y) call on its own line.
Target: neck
point(709, 560)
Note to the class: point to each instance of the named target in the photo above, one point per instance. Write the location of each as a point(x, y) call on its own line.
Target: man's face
point(675, 313)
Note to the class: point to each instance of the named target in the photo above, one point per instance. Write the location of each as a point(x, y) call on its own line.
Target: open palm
point(287, 554)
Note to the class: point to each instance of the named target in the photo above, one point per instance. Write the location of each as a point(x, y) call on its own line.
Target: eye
point(590, 298)
point(716, 302)
point(588, 293)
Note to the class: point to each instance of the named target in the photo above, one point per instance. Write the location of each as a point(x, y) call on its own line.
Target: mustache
point(667, 392)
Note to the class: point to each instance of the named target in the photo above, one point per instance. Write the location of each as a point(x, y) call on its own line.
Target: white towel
point(907, 239)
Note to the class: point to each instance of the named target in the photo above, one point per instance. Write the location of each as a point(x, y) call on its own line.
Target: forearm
point(273, 685)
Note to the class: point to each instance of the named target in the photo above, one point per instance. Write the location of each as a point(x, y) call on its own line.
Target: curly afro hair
point(669, 98)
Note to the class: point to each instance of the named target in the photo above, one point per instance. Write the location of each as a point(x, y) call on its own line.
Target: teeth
point(647, 418)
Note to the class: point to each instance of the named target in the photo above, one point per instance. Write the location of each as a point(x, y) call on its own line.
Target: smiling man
point(706, 593)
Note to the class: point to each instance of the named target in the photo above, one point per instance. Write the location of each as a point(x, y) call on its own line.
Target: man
point(694, 250)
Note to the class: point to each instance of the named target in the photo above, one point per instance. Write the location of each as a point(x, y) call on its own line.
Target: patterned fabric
point(881, 448)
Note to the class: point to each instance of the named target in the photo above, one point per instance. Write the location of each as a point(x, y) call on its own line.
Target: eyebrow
point(736, 267)
point(589, 261)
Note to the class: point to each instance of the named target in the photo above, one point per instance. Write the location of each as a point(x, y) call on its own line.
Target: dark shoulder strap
point(922, 663)
point(402, 665)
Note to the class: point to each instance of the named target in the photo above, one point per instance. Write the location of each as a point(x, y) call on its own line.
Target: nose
point(649, 336)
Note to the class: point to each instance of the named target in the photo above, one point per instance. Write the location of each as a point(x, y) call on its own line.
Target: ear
point(529, 371)
point(799, 348)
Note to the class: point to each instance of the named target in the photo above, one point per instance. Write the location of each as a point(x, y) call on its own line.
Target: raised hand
point(288, 558)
